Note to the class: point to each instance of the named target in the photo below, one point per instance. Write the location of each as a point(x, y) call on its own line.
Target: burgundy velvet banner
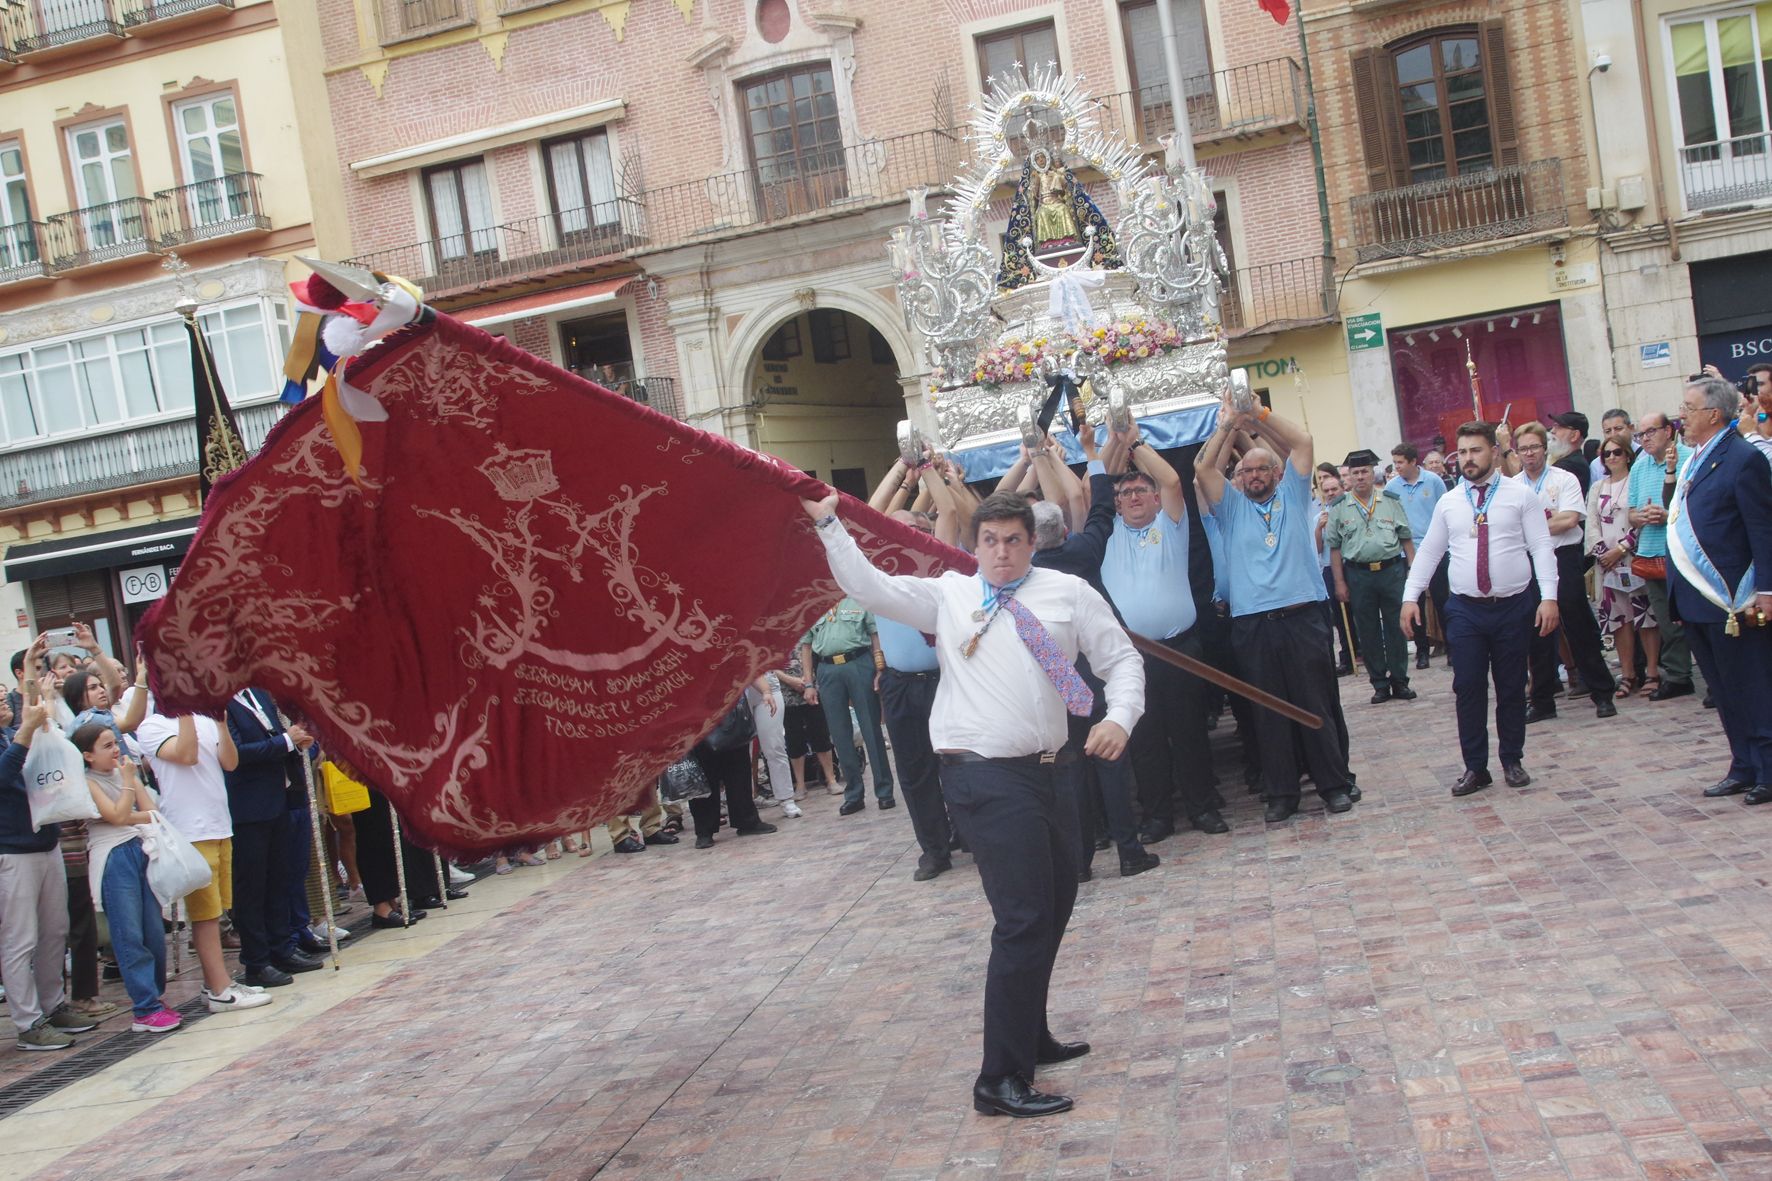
point(540, 595)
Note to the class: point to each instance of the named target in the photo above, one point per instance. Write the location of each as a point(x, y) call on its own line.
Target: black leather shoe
point(1154, 831)
point(1540, 713)
point(455, 893)
point(1668, 690)
point(887, 804)
point(1210, 821)
point(929, 870)
point(1278, 810)
point(1344, 669)
point(756, 830)
point(267, 977)
point(630, 844)
point(1709, 701)
point(1514, 775)
point(1727, 787)
point(1135, 865)
point(1421, 660)
point(663, 838)
point(1085, 875)
point(297, 963)
point(1103, 843)
point(1338, 800)
point(1013, 1096)
point(1354, 793)
point(314, 948)
point(393, 921)
point(1380, 694)
point(1758, 794)
point(1471, 781)
point(1603, 707)
point(704, 842)
point(1051, 1051)
point(1404, 693)
point(848, 809)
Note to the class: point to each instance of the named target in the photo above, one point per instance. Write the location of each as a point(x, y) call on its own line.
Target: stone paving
point(1558, 982)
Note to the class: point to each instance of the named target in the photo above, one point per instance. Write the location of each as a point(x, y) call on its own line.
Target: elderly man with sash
point(1276, 594)
point(1370, 545)
point(1719, 541)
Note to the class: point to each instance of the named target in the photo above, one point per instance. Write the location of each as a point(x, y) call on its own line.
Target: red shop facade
point(1522, 368)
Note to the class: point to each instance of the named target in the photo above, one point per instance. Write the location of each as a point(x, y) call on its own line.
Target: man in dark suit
point(257, 801)
point(1719, 539)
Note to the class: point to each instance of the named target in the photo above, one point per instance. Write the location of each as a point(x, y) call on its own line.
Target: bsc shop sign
point(143, 584)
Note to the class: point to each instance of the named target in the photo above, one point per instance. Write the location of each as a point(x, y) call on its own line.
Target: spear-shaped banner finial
point(1470, 367)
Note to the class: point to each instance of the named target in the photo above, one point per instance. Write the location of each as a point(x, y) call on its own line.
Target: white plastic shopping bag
point(175, 868)
point(55, 780)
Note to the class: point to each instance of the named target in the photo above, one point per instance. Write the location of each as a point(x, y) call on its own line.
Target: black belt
point(1059, 758)
point(922, 676)
point(1283, 612)
point(1373, 567)
point(846, 657)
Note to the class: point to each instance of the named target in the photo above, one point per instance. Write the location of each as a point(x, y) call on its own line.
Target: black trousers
point(1020, 819)
point(1337, 620)
point(1287, 653)
point(82, 939)
point(261, 893)
point(1581, 630)
point(728, 771)
point(1490, 639)
point(907, 699)
point(1170, 753)
point(1738, 670)
point(375, 857)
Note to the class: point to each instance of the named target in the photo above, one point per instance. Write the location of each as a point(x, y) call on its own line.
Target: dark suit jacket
point(256, 788)
point(1081, 553)
point(1576, 464)
point(1730, 502)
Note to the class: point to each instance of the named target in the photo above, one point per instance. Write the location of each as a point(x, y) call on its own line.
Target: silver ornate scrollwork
point(946, 278)
point(1167, 242)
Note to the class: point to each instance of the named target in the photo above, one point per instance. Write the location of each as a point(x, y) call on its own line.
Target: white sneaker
point(789, 808)
point(458, 878)
point(318, 931)
point(235, 997)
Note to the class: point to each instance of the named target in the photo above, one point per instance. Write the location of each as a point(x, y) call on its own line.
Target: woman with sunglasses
point(1623, 598)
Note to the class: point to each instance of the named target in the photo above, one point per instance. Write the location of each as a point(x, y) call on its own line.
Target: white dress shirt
point(998, 702)
point(195, 797)
point(1558, 491)
point(1519, 542)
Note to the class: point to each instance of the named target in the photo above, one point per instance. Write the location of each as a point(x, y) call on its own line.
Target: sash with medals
point(1688, 554)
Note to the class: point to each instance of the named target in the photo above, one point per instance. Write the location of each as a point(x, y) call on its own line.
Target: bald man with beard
point(1275, 591)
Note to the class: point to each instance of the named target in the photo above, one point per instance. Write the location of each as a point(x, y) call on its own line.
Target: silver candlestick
point(946, 279)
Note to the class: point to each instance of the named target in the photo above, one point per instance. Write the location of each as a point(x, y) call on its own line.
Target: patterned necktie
point(1062, 673)
point(1483, 583)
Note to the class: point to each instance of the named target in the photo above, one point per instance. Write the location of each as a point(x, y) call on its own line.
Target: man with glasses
point(1651, 479)
point(1565, 507)
point(1499, 540)
point(1719, 537)
point(1145, 574)
point(1275, 591)
point(1369, 541)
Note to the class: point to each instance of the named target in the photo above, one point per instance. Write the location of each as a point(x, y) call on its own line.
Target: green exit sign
point(1365, 331)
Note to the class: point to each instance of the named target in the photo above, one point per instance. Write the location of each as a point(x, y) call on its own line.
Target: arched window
point(1444, 106)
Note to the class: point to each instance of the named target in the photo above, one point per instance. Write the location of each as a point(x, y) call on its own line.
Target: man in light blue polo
point(1651, 486)
point(907, 696)
point(1420, 490)
point(1145, 573)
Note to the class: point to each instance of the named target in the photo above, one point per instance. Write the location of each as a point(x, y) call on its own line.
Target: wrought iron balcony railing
point(1225, 104)
point(1275, 296)
point(119, 459)
point(39, 25)
point(21, 252)
point(1459, 211)
point(102, 233)
point(1726, 172)
point(210, 209)
point(528, 248)
point(660, 393)
point(145, 12)
point(403, 20)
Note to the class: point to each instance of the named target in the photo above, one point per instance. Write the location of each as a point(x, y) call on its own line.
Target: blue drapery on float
point(1181, 427)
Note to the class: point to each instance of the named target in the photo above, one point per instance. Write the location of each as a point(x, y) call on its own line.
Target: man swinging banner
point(530, 597)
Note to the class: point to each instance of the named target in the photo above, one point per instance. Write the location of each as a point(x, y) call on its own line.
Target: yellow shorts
point(209, 902)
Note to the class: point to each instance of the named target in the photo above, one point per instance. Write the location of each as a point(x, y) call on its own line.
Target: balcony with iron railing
point(405, 20)
point(658, 392)
point(1460, 211)
point(98, 234)
point(95, 463)
point(1239, 103)
point(22, 253)
point(1276, 296)
point(36, 28)
point(138, 13)
point(1726, 172)
point(208, 209)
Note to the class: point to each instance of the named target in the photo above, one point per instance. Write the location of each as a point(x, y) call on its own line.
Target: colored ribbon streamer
point(345, 435)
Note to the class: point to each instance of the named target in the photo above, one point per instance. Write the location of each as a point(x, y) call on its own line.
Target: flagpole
point(1182, 143)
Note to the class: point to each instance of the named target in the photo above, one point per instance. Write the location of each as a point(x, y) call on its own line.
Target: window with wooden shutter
point(1374, 98)
point(1501, 94)
point(59, 601)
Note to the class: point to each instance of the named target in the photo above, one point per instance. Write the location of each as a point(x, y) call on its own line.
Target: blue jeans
point(137, 936)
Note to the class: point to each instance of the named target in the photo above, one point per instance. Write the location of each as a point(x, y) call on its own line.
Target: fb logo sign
point(143, 584)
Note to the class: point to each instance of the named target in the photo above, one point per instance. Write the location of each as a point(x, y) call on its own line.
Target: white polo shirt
point(1559, 491)
point(194, 798)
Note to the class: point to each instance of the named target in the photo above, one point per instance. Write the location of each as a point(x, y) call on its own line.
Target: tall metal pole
point(1183, 147)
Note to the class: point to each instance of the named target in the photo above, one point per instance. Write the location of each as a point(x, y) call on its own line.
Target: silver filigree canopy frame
point(1167, 242)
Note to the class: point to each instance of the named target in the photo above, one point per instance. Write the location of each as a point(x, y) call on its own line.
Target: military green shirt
point(843, 628)
point(1363, 537)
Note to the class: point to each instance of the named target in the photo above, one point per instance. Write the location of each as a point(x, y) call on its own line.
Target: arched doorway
point(828, 398)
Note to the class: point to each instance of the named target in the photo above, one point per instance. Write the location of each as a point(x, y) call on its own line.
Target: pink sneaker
point(165, 1021)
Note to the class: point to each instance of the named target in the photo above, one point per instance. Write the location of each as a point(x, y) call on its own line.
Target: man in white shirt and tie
point(1499, 540)
point(1007, 639)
